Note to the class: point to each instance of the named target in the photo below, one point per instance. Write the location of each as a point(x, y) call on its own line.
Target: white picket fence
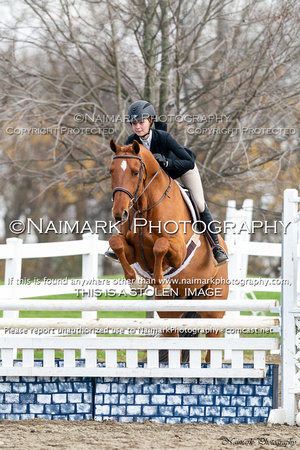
point(14, 252)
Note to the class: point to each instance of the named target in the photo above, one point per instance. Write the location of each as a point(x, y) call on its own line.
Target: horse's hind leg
point(163, 354)
point(222, 274)
point(160, 248)
point(185, 354)
point(214, 333)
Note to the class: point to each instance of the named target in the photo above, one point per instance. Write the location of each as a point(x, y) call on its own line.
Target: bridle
point(135, 197)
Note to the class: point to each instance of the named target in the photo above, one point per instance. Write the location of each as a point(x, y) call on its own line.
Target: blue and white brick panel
point(187, 400)
point(164, 400)
point(48, 398)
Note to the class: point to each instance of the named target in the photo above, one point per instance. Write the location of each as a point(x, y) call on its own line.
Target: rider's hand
point(161, 159)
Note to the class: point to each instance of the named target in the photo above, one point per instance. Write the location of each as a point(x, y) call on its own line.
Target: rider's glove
point(161, 159)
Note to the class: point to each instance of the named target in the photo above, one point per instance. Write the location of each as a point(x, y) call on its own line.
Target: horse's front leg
point(213, 334)
point(164, 354)
point(222, 274)
point(174, 251)
point(125, 253)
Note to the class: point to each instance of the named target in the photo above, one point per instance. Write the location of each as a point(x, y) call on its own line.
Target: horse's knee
point(120, 246)
point(117, 242)
point(161, 247)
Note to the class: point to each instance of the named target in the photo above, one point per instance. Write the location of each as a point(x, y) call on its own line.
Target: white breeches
point(191, 179)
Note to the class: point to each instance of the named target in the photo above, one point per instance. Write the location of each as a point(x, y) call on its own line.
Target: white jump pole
point(149, 324)
point(138, 305)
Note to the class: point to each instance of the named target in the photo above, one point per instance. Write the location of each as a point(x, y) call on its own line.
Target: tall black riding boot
point(219, 253)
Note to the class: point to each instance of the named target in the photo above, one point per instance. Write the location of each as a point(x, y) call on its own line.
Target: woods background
point(79, 64)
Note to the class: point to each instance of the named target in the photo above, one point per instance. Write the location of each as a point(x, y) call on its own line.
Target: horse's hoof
point(163, 290)
point(185, 356)
point(139, 284)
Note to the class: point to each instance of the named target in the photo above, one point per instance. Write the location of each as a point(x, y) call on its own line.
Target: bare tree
point(71, 67)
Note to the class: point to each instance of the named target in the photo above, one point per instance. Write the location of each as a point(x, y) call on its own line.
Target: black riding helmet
point(140, 110)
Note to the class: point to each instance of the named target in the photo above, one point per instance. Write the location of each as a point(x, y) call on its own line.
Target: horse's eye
point(136, 173)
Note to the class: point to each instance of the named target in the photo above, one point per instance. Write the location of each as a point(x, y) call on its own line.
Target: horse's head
point(127, 173)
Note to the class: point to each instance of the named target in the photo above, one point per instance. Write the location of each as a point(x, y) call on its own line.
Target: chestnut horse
point(144, 199)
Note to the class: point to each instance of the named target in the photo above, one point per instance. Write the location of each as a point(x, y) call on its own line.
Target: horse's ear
point(136, 147)
point(113, 146)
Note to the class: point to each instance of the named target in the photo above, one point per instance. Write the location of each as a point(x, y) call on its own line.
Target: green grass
point(59, 354)
point(77, 314)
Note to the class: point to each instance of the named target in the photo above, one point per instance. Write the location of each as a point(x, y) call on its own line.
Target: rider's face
point(141, 127)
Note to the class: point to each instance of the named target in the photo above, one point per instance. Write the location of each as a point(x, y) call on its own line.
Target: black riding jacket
point(180, 159)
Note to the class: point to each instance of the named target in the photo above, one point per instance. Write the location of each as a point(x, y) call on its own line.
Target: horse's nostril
point(123, 218)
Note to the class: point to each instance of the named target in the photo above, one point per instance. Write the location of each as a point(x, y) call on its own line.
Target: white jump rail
point(245, 322)
point(132, 345)
point(137, 305)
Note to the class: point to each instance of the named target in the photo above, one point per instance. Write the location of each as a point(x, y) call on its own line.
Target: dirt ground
point(110, 435)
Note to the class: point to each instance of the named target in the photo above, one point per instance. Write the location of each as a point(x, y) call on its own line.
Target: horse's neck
point(159, 184)
point(155, 190)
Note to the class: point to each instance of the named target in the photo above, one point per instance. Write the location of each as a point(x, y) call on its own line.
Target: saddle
point(192, 244)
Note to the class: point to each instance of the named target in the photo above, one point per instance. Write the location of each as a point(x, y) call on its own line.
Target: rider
point(176, 160)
